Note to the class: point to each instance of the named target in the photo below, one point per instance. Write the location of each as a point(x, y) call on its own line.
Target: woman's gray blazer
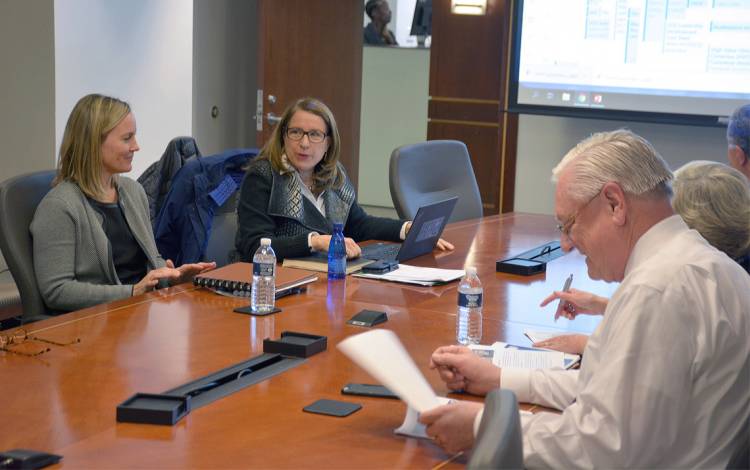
point(72, 254)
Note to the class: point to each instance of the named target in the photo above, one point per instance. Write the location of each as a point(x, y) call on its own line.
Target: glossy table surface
point(64, 400)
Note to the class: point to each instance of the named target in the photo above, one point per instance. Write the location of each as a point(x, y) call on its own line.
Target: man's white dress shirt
point(665, 378)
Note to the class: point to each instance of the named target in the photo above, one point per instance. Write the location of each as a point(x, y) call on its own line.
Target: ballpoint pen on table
point(562, 305)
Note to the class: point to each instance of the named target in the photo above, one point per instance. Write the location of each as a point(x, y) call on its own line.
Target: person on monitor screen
point(92, 236)
point(738, 137)
point(663, 382)
point(377, 32)
point(296, 189)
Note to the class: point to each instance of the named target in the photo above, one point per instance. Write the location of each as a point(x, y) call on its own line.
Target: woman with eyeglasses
point(296, 189)
point(92, 236)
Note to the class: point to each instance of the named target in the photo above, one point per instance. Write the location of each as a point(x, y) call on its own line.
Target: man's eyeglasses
point(20, 336)
point(315, 136)
point(567, 226)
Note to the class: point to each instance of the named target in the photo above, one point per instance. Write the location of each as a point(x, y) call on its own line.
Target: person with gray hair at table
point(738, 138)
point(664, 381)
point(713, 199)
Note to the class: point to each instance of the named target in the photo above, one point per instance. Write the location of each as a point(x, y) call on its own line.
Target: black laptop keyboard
point(376, 251)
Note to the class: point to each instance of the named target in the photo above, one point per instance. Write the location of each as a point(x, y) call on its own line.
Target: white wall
point(27, 82)
point(137, 50)
point(394, 113)
point(543, 140)
point(224, 73)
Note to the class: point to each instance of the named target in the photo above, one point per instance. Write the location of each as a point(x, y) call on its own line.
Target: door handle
point(273, 119)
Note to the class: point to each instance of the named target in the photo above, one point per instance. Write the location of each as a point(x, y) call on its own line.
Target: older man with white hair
point(665, 379)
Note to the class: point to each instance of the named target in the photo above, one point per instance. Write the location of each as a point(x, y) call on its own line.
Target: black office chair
point(10, 301)
point(499, 443)
point(223, 230)
point(432, 171)
point(19, 197)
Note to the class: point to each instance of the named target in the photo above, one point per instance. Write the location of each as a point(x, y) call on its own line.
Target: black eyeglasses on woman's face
point(315, 136)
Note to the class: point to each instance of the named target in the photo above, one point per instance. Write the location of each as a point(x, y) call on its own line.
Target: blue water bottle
point(337, 253)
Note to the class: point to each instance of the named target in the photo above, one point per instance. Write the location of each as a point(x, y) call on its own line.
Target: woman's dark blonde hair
point(92, 118)
point(327, 173)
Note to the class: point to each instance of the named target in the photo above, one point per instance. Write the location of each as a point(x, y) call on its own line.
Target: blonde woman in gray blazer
point(92, 235)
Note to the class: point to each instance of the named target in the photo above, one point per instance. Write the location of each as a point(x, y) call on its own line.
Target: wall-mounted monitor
point(675, 61)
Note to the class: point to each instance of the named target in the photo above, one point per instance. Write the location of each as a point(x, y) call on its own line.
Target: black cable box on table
point(530, 262)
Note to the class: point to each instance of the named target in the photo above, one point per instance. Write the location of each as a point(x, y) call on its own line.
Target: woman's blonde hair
point(714, 199)
point(92, 118)
point(326, 174)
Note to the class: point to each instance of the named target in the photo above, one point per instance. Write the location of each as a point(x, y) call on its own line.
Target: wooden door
point(312, 48)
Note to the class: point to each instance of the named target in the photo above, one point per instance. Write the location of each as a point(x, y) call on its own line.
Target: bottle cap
point(265, 242)
point(471, 271)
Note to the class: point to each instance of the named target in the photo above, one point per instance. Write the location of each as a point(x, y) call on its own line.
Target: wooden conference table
point(64, 400)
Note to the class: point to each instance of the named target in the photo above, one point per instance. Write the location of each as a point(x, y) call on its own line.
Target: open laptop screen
point(425, 231)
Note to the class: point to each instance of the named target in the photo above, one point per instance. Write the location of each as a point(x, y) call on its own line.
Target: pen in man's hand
point(561, 304)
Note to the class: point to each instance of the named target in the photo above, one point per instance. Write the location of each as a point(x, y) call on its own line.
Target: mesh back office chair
point(499, 443)
point(19, 197)
point(433, 171)
point(223, 230)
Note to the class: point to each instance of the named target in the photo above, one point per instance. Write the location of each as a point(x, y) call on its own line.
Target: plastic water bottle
point(337, 253)
point(263, 293)
point(469, 318)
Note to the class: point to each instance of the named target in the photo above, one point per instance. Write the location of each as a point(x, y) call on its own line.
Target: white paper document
point(381, 354)
point(417, 275)
point(411, 425)
point(520, 357)
point(536, 336)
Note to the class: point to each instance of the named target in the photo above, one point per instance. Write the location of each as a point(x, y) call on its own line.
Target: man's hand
point(452, 425)
point(461, 369)
point(573, 344)
point(575, 302)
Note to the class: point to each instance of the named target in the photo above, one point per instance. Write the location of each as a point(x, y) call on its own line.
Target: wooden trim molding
point(463, 123)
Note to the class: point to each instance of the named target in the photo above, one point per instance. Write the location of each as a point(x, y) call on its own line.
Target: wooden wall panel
point(468, 95)
point(482, 142)
point(464, 110)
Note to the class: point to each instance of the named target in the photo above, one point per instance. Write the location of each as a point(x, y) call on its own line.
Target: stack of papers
point(416, 275)
point(521, 357)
